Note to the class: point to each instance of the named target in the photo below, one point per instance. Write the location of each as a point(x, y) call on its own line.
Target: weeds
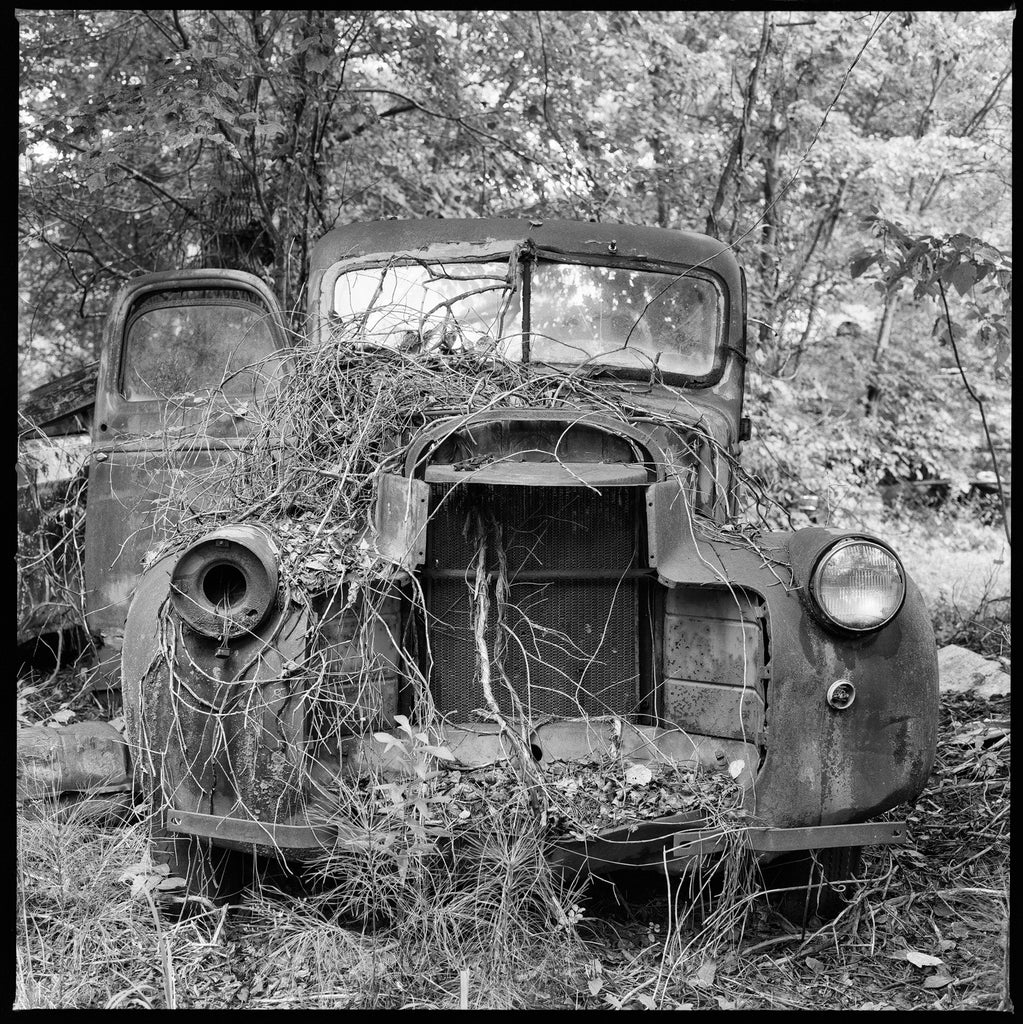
point(84, 941)
point(984, 625)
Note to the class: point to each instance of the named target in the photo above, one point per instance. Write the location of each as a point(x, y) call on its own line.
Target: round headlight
point(858, 584)
point(224, 585)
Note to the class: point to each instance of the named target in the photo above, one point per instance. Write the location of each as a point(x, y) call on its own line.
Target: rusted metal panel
point(497, 234)
point(400, 519)
point(706, 649)
point(871, 833)
point(673, 538)
point(542, 474)
point(713, 662)
point(776, 840)
point(822, 765)
point(652, 844)
point(245, 830)
point(559, 428)
point(355, 653)
point(714, 709)
point(126, 490)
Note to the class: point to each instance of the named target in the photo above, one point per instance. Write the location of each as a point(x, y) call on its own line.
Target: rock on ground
point(961, 670)
point(85, 757)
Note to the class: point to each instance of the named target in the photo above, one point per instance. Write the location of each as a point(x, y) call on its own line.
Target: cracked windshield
point(576, 314)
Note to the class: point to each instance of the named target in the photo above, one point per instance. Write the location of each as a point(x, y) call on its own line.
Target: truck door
point(185, 356)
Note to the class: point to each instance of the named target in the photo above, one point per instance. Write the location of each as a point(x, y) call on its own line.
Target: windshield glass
point(436, 307)
point(544, 311)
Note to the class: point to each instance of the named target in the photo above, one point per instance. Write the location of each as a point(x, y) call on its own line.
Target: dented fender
point(211, 733)
point(822, 766)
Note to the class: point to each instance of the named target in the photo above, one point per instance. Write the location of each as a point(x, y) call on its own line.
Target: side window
point(185, 340)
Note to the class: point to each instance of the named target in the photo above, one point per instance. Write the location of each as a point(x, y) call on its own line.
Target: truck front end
point(491, 525)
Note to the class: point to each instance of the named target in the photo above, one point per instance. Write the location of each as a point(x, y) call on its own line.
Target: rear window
point(195, 340)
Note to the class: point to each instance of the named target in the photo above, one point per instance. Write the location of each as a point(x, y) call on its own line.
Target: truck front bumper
point(674, 845)
point(671, 844)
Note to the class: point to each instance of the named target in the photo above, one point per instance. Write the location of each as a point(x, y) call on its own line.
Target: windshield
point(537, 310)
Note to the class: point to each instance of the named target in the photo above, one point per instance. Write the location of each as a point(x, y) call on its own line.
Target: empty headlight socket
point(225, 584)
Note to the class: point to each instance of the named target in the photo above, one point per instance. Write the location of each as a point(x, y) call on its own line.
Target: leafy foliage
point(978, 271)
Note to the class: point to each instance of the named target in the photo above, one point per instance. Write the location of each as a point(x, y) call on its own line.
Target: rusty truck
point(641, 616)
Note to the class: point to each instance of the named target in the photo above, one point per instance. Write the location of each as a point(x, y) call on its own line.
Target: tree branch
point(132, 172)
point(181, 32)
point(980, 406)
point(734, 160)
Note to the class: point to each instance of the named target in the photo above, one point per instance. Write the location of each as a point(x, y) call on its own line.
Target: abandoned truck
point(541, 556)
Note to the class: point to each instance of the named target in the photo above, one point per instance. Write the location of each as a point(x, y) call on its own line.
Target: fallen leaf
point(649, 1003)
point(916, 958)
point(595, 985)
point(143, 884)
point(704, 976)
point(638, 775)
point(814, 964)
point(442, 752)
point(735, 768)
point(725, 1004)
point(145, 868)
point(937, 981)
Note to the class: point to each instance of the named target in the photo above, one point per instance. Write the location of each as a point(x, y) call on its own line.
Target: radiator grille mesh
point(570, 644)
point(547, 529)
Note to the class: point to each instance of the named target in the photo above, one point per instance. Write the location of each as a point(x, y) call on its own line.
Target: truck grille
point(568, 643)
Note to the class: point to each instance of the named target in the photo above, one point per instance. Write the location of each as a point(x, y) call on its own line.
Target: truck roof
point(568, 236)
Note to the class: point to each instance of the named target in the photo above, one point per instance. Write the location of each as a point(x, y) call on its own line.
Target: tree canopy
point(157, 139)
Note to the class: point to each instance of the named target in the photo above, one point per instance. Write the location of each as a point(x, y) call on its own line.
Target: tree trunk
point(884, 333)
point(733, 164)
point(769, 273)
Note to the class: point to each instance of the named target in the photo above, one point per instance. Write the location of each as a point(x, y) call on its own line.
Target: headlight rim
point(248, 550)
point(820, 564)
